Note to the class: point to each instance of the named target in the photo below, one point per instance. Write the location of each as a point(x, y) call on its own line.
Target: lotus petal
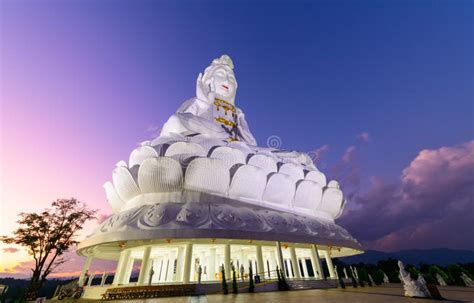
point(207, 142)
point(332, 201)
point(243, 147)
point(249, 182)
point(184, 148)
point(266, 163)
point(280, 189)
point(333, 184)
point(124, 183)
point(292, 170)
point(207, 175)
point(140, 154)
point(121, 163)
point(230, 156)
point(316, 176)
point(161, 174)
point(308, 195)
point(113, 198)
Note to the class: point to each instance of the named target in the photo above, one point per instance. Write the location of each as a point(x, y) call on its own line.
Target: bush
point(390, 267)
point(377, 275)
point(454, 272)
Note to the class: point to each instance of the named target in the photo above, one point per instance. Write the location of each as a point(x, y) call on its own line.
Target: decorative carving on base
point(228, 215)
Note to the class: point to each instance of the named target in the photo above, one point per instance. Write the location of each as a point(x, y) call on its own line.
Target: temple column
point(91, 277)
point(211, 270)
point(104, 278)
point(188, 256)
point(332, 274)
point(160, 269)
point(124, 255)
point(316, 262)
point(273, 264)
point(260, 266)
point(145, 267)
point(289, 268)
point(85, 269)
point(294, 262)
point(127, 270)
point(174, 266)
point(179, 265)
point(305, 267)
point(227, 268)
point(167, 268)
point(280, 261)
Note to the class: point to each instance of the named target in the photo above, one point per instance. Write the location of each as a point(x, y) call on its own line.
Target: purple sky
point(381, 90)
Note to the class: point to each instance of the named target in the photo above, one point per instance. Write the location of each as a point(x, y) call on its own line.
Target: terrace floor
point(386, 293)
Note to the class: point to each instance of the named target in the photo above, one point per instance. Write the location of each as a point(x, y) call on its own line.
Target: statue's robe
point(196, 116)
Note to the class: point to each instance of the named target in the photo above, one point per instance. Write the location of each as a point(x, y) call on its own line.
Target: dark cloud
point(431, 206)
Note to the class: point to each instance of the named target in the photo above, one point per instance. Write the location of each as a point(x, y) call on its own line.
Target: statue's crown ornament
point(223, 60)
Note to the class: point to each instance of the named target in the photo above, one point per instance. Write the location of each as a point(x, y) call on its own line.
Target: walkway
point(387, 293)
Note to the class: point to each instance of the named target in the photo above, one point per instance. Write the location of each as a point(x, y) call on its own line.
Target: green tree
point(47, 236)
point(454, 272)
point(390, 267)
point(431, 274)
point(377, 275)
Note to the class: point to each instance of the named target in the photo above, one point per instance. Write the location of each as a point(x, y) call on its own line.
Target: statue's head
point(220, 76)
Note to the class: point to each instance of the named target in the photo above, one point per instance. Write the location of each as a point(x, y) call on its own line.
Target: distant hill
point(440, 256)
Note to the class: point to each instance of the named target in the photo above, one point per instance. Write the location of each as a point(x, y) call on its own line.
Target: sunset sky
point(382, 91)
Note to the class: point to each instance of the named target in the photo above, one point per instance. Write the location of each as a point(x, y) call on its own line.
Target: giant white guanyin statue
point(206, 152)
point(212, 112)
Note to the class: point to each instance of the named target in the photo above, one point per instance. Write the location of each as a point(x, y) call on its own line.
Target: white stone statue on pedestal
point(151, 273)
point(353, 273)
point(440, 279)
point(356, 274)
point(421, 278)
point(345, 273)
point(467, 280)
point(371, 280)
point(413, 288)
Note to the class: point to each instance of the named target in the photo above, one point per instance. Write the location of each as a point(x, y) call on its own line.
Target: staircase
point(310, 284)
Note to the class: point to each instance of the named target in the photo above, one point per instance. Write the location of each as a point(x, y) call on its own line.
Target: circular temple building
point(203, 199)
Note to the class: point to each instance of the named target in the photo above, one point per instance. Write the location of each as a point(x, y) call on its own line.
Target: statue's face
point(224, 83)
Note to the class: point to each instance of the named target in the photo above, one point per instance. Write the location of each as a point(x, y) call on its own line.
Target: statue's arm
point(187, 106)
point(245, 130)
